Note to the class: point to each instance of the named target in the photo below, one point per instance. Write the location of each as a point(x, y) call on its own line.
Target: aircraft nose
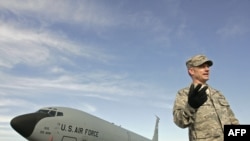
point(25, 124)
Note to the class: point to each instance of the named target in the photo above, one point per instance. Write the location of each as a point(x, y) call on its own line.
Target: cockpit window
point(43, 111)
point(59, 114)
point(52, 113)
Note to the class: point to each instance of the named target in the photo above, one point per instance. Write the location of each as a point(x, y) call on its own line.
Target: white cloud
point(5, 119)
point(236, 26)
point(57, 69)
point(34, 48)
point(84, 12)
point(96, 83)
point(14, 102)
point(233, 30)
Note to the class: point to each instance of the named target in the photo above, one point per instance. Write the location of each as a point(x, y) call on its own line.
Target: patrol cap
point(198, 60)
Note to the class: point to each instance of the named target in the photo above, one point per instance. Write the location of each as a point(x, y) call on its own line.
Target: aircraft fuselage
point(66, 124)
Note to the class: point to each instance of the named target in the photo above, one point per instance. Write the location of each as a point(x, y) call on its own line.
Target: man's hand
point(197, 97)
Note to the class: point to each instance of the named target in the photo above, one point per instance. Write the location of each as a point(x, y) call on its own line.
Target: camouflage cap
point(198, 60)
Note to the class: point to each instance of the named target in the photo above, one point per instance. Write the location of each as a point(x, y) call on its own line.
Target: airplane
point(68, 124)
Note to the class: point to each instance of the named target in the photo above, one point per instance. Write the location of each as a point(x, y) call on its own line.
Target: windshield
point(51, 111)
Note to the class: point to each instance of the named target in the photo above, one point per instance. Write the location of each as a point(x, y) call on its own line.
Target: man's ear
point(191, 71)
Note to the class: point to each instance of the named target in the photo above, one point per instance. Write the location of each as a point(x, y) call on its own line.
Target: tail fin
point(155, 137)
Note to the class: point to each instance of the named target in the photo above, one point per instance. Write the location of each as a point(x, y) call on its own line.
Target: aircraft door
point(56, 133)
point(84, 138)
point(129, 137)
point(67, 138)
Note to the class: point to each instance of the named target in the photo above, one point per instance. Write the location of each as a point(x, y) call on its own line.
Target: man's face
point(200, 74)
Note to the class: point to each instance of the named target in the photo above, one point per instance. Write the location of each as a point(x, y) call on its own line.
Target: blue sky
point(120, 60)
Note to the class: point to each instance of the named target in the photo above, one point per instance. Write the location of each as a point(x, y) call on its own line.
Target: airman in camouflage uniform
point(201, 108)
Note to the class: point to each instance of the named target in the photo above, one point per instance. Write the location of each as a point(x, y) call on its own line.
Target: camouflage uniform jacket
point(207, 122)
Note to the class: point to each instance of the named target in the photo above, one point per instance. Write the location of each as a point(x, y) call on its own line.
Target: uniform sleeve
point(183, 114)
point(232, 117)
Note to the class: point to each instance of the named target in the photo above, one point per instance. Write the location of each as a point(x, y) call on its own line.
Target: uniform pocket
point(209, 134)
point(223, 102)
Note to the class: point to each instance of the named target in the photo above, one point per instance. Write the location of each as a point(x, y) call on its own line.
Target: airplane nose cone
point(25, 124)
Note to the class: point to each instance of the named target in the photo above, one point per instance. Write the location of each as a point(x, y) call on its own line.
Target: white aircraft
point(67, 124)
